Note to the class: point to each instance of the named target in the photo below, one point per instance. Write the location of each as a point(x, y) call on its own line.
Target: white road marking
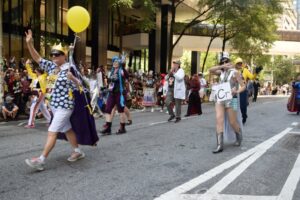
point(290, 185)
point(224, 197)
point(21, 124)
point(263, 147)
point(162, 122)
point(295, 124)
point(229, 178)
point(294, 133)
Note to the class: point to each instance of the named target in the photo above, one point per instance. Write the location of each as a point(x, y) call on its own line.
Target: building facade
point(288, 19)
point(47, 19)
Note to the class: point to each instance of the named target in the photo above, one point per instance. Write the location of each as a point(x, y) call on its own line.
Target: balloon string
point(75, 40)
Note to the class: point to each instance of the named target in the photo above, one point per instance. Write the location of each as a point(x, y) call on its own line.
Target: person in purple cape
point(67, 93)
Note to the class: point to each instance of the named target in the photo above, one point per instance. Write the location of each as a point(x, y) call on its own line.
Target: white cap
point(225, 55)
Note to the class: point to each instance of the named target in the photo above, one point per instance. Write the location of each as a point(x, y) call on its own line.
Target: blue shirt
point(60, 97)
point(296, 85)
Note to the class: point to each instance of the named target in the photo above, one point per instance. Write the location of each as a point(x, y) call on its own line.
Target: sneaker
point(177, 119)
point(35, 163)
point(121, 131)
point(161, 110)
point(171, 118)
point(29, 126)
point(76, 156)
point(152, 109)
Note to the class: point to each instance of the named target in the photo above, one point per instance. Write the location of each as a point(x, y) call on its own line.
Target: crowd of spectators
point(16, 87)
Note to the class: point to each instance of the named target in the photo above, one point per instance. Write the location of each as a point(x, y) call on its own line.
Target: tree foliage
point(283, 70)
point(205, 8)
point(146, 10)
point(250, 26)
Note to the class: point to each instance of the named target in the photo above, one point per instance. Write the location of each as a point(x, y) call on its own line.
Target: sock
point(122, 126)
point(77, 150)
point(108, 124)
point(42, 158)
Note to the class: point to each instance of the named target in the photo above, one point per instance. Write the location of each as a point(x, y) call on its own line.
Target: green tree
point(186, 62)
point(204, 6)
point(250, 26)
point(283, 70)
point(146, 10)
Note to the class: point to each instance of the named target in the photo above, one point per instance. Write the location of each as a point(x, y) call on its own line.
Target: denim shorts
point(233, 103)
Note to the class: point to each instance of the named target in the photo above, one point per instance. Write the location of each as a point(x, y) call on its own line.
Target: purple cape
point(83, 123)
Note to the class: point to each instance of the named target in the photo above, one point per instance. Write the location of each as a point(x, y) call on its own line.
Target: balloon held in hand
point(78, 18)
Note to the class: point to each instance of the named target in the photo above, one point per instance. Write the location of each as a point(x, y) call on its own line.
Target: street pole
point(1, 58)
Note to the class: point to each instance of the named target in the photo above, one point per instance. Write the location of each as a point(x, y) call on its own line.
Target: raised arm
point(29, 41)
point(218, 68)
point(248, 75)
point(29, 70)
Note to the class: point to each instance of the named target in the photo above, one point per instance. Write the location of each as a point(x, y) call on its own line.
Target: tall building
point(288, 19)
point(297, 7)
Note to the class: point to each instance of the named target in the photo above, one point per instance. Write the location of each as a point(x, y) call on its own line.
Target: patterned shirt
point(60, 97)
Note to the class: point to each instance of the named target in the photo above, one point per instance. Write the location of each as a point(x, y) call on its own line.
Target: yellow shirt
point(42, 79)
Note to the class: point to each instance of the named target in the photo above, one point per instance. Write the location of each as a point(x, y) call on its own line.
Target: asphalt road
point(156, 156)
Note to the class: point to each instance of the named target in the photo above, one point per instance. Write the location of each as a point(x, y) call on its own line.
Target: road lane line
point(163, 122)
point(295, 124)
point(229, 178)
point(294, 133)
point(174, 193)
point(290, 185)
point(223, 197)
point(224, 182)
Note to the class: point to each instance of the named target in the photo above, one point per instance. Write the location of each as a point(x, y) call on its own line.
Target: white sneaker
point(35, 163)
point(152, 109)
point(76, 156)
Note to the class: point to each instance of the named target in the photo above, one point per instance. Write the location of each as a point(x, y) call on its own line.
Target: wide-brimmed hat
point(177, 62)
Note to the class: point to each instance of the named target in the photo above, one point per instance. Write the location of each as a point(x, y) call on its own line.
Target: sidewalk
point(20, 117)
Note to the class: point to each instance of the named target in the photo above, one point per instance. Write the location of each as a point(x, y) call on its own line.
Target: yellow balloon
point(78, 18)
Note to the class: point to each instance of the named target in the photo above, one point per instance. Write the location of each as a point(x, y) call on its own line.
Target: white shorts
point(61, 120)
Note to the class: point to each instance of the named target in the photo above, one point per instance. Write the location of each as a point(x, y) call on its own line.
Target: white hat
point(225, 55)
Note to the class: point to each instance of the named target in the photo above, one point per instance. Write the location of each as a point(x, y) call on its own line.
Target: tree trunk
point(171, 47)
point(120, 30)
point(207, 50)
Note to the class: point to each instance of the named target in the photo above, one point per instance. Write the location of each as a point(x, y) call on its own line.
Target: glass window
point(64, 11)
point(15, 12)
point(5, 11)
point(50, 16)
point(27, 11)
point(43, 19)
point(5, 45)
point(16, 47)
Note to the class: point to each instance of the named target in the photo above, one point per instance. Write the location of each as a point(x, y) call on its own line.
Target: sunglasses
point(55, 54)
